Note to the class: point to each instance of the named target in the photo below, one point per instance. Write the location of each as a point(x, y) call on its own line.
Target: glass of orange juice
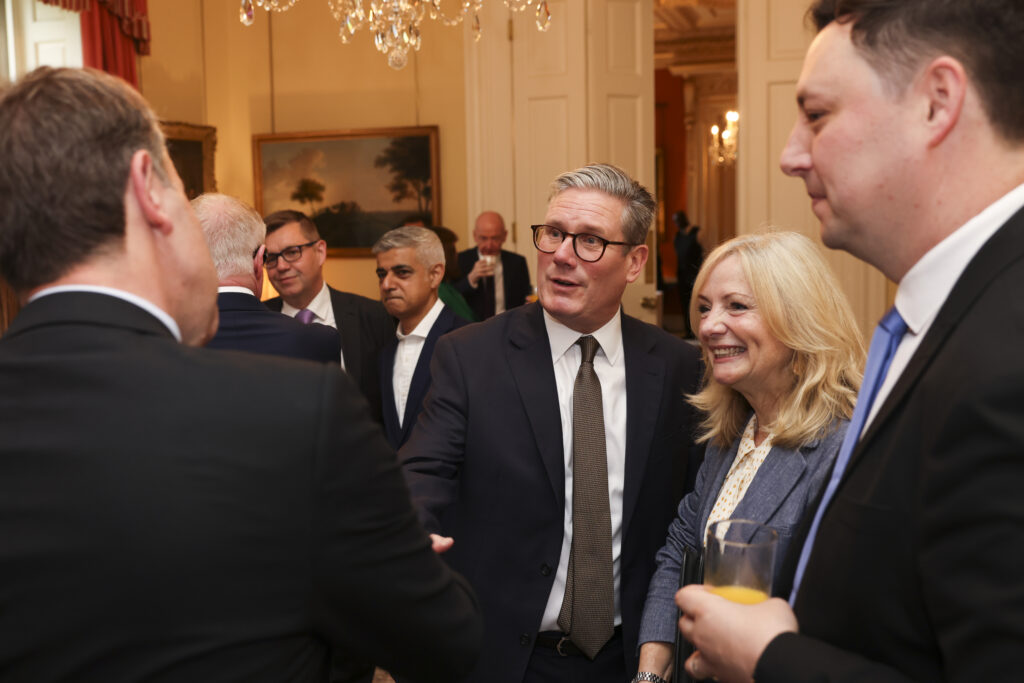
point(739, 560)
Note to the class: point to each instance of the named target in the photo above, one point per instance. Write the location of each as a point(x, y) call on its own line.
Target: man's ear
point(944, 84)
point(257, 269)
point(636, 259)
point(436, 275)
point(146, 189)
point(321, 252)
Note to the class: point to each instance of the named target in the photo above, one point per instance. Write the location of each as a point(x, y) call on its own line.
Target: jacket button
point(545, 570)
point(524, 639)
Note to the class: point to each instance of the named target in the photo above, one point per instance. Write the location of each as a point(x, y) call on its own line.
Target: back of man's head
point(233, 232)
point(279, 219)
point(987, 36)
point(67, 137)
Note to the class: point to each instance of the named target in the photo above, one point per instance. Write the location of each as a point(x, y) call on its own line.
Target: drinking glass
point(739, 560)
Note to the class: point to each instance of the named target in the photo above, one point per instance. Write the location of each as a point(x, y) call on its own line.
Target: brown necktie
point(588, 609)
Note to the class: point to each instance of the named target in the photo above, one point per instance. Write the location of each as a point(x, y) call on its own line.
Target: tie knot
point(894, 324)
point(305, 316)
point(589, 346)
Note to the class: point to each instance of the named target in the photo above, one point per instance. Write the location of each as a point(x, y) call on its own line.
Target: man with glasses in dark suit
point(555, 432)
point(295, 257)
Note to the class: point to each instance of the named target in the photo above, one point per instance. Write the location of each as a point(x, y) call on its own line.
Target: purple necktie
point(883, 345)
point(305, 316)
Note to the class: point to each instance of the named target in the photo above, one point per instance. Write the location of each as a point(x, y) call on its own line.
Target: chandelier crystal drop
point(395, 24)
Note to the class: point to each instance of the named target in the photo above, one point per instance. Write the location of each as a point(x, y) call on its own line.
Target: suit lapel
point(421, 374)
point(347, 320)
point(1004, 248)
point(529, 356)
point(714, 485)
point(776, 477)
point(644, 372)
point(387, 392)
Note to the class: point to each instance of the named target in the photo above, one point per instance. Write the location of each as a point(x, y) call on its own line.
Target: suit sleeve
point(433, 456)
point(523, 289)
point(659, 616)
point(378, 588)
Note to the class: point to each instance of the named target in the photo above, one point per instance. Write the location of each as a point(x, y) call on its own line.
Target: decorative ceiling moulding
point(395, 24)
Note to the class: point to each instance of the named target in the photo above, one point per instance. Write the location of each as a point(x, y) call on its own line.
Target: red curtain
point(113, 33)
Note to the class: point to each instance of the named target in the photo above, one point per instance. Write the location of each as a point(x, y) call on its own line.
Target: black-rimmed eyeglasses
point(289, 254)
point(590, 248)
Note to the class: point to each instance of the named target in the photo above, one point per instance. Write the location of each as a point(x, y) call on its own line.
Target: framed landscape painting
point(355, 184)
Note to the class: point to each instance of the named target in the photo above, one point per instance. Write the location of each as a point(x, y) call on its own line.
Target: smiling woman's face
point(744, 354)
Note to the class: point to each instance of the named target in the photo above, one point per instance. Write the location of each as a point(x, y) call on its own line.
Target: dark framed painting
point(192, 148)
point(355, 184)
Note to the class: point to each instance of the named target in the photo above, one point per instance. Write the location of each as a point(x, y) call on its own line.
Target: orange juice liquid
point(740, 594)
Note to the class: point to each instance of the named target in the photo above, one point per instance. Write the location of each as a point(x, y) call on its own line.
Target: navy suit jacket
point(515, 274)
point(916, 572)
point(365, 328)
point(485, 465)
point(248, 325)
point(398, 435)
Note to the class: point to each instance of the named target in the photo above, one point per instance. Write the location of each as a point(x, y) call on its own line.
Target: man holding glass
point(555, 444)
point(910, 141)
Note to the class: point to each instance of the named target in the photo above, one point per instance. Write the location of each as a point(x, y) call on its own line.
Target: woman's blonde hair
point(799, 300)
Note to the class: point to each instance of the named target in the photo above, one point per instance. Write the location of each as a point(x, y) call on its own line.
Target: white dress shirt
point(322, 310)
point(410, 346)
point(610, 366)
point(144, 304)
point(927, 284)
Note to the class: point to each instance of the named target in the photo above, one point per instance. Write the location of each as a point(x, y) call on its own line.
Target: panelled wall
point(771, 40)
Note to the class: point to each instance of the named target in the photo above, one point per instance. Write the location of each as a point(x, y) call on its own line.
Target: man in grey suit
point(910, 142)
point(514, 446)
point(158, 523)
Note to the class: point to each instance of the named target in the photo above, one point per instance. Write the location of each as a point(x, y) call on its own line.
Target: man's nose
point(566, 253)
point(796, 155)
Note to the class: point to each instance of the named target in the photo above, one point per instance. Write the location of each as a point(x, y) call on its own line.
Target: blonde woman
point(783, 365)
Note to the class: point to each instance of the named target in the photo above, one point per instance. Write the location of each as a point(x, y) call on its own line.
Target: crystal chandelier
point(395, 24)
point(724, 141)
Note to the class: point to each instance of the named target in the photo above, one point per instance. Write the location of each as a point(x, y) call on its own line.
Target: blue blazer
point(786, 485)
point(248, 325)
point(398, 435)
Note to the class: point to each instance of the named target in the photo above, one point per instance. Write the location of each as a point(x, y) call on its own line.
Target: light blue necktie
point(883, 346)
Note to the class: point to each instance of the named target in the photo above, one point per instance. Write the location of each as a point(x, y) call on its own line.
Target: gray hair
point(614, 182)
point(233, 231)
point(425, 241)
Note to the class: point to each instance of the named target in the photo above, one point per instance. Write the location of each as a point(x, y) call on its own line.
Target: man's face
point(194, 276)
point(407, 288)
point(489, 234)
point(581, 295)
point(852, 146)
point(301, 280)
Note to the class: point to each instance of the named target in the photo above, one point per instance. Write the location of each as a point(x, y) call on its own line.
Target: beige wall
point(290, 73)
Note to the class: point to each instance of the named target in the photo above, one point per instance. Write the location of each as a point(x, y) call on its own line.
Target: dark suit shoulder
point(274, 304)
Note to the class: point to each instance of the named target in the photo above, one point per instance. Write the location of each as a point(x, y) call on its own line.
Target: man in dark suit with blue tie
point(494, 280)
point(410, 268)
point(558, 432)
point(234, 232)
point(910, 141)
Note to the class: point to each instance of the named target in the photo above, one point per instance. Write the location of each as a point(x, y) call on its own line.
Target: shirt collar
point(927, 284)
point(423, 329)
point(233, 289)
point(144, 304)
point(562, 338)
point(320, 304)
